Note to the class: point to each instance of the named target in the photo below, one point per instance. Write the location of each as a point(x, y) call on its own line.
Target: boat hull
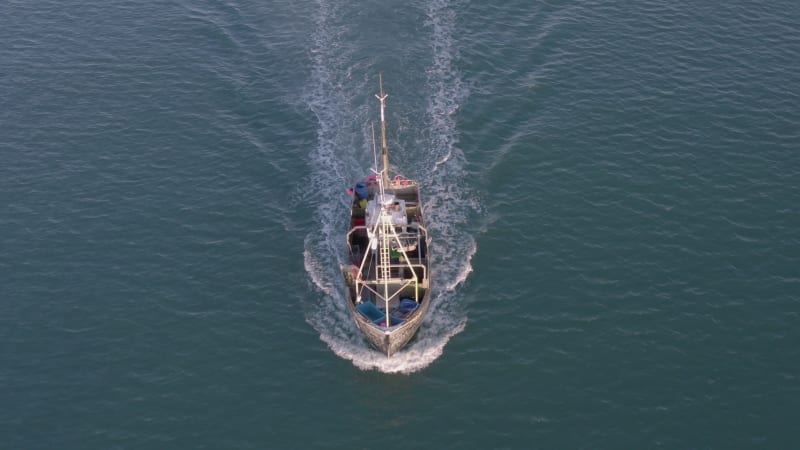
point(390, 340)
point(388, 277)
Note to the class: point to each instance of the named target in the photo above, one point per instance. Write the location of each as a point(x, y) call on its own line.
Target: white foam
point(465, 269)
point(318, 273)
point(450, 202)
point(414, 357)
point(442, 161)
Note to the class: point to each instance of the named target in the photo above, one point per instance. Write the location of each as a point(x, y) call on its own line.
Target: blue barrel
point(361, 190)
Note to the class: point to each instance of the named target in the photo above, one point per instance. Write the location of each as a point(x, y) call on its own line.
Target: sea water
point(611, 189)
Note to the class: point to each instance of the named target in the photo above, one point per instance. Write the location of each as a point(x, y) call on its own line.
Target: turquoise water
point(612, 191)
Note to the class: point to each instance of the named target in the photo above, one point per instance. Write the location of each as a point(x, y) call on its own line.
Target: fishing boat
point(388, 273)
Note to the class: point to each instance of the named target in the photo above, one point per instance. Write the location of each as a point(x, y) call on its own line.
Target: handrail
point(395, 294)
point(347, 237)
point(357, 227)
point(404, 234)
point(401, 266)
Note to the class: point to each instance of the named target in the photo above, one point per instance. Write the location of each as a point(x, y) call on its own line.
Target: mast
point(384, 147)
point(384, 219)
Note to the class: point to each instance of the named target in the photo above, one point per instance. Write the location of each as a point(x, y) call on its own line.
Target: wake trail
point(451, 202)
point(344, 148)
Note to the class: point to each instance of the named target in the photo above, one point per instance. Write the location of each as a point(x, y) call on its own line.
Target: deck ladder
point(386, 258)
